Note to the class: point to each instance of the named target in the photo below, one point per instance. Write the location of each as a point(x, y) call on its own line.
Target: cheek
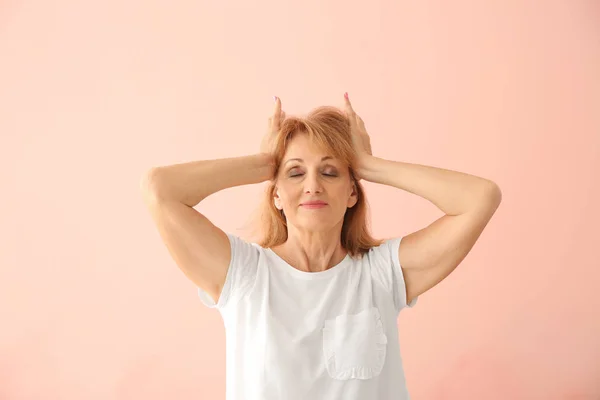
point(342, 191)
point(288, 193)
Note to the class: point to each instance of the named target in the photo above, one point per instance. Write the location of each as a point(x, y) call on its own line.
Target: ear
point(353, 199)
point(277, 199)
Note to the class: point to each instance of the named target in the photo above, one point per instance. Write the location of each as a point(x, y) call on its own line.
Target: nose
point(312, 184)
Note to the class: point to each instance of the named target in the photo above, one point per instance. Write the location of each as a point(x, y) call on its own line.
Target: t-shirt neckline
point(280, 262)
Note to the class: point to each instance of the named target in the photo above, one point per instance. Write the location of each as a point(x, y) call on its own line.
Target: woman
point(311, 311)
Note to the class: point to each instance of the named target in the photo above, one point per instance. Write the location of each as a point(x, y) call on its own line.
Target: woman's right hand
point(273, 127)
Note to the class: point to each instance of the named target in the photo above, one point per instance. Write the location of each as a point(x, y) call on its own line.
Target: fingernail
point(274, 98)
point(346, 95)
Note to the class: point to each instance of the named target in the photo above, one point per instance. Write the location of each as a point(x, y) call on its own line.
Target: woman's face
point(307, 174)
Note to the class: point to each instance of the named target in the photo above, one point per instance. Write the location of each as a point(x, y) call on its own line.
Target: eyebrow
point(301, 160)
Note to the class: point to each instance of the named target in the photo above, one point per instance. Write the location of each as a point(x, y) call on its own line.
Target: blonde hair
point(329, 128)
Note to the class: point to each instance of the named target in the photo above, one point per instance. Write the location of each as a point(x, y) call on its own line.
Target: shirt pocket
point(355, 345)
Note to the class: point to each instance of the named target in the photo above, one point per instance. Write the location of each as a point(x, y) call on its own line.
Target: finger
point(277, 121)
point(277, 107)
point(347, 105)
point(277, 118)
point(361, 123)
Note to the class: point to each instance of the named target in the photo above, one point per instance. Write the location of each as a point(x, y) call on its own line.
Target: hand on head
point(273, 126)
point(360, 137)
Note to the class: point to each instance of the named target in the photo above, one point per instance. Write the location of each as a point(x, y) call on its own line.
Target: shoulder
point(383, 261)
point(385, 250)
point(243, 269)
point(238, 243)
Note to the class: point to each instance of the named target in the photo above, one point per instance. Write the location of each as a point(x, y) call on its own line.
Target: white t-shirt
point(297, 335)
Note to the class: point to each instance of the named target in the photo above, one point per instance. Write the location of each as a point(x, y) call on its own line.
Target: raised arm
point(429, 255)
point(200, 249)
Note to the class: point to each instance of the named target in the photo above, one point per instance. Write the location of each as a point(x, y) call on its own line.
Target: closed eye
point(326, 174)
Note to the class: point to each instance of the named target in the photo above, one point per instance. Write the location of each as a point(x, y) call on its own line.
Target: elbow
point(493, 195)
point(495, 192)
point(149, 182)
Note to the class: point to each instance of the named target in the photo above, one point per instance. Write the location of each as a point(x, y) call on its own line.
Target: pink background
point(95, 93)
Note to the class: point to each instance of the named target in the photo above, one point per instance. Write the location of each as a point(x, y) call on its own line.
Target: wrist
point(267, 161)
point(366, 165)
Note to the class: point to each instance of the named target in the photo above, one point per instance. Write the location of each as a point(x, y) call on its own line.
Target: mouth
point(314, 204)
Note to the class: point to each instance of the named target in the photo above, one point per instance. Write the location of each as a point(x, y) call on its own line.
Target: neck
point(312, 252)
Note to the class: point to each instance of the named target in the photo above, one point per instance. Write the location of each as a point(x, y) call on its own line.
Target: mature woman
point(311, 311)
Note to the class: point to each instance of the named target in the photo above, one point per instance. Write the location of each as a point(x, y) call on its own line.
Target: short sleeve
point(388, 271)
point(241, 273)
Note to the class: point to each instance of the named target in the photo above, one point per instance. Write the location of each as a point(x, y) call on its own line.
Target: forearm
point(452, 192)
point(191, 182)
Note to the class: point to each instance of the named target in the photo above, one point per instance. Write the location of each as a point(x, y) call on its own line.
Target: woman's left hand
point(360, 137)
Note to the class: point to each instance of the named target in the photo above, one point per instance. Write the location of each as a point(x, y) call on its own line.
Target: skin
point(313, 234)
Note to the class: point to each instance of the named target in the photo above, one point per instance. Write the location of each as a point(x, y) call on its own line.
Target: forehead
point(300, 146)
